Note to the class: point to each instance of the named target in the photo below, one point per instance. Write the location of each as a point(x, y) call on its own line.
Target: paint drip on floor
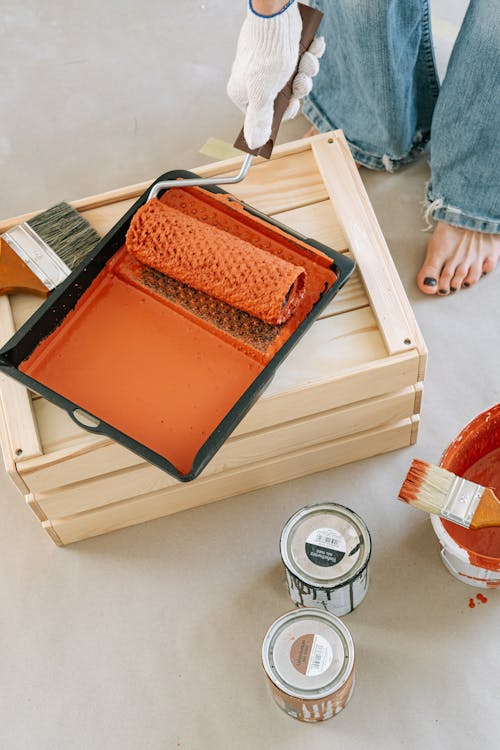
point(481, 599)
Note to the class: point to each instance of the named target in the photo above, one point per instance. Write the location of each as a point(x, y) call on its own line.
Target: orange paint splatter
point(482, 598)
point(472, 603)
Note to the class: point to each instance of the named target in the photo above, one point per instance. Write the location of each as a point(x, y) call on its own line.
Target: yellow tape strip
point(219, 150)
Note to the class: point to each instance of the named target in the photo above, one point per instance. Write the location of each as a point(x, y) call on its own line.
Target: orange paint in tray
point(163, 363)
point(144, 368)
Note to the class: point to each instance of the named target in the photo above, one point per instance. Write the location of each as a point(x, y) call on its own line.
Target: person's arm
point(267, 54)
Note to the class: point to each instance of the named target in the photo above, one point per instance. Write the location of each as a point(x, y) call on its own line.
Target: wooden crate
point(351, 388)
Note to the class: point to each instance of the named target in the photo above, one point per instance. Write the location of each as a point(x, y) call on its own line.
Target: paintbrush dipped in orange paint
point(438, 491)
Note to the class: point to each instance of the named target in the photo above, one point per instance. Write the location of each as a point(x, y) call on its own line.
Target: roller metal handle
point(201, 181)
point(311, 19)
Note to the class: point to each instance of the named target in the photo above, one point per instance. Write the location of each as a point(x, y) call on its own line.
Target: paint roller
point(210, 259)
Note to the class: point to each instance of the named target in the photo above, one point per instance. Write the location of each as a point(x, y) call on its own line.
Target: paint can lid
point(308, 653)
point(325, 545)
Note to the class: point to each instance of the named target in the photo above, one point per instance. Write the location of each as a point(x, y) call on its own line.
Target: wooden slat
point(374, 379)
point(23, 306)
point(351, 297)
point(18, 413)
point(282, 184)
point(8, 456)
point(419, 392)
point(233, 165)
point(103, 218)
point(235, 454)
point(130, 193)
point(331, 346)
point(210, 489)
point(366, 242)
point(318, 221)
point(414, 430)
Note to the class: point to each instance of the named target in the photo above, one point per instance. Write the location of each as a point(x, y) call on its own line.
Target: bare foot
point(457, 258)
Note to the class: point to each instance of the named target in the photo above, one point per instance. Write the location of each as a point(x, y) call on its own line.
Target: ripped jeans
point(378, 82)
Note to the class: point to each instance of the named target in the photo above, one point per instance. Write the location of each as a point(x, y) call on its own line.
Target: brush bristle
point(66, 232)
point(426, 487)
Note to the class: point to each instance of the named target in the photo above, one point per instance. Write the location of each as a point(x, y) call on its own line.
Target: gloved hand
point(266, 56)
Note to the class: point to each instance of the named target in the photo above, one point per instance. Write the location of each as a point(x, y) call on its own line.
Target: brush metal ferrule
point(37, 255)
point(462, 502)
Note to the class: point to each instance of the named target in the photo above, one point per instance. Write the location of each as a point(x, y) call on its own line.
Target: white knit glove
point(266, 56)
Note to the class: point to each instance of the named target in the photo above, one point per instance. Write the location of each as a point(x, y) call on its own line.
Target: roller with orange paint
point(216, 262)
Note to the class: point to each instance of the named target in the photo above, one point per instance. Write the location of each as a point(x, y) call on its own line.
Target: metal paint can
point(308, 656)
point(326, 549)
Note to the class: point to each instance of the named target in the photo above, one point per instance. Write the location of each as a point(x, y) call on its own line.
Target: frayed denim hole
point(430, 207)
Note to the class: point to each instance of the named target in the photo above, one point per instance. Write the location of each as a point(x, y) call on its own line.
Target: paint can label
point(325, 547)
point(311, 654)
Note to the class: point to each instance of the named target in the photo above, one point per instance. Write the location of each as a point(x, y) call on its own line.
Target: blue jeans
point(378, 82)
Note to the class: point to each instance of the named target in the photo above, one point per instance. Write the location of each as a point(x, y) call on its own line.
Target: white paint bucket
point(457, 561)
point(471, 556)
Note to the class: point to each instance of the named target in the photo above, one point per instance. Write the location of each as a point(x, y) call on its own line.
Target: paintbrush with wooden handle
point(36, 255)
point(454, 498)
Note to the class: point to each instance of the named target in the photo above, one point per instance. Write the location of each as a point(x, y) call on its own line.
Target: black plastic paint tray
point(165, 370)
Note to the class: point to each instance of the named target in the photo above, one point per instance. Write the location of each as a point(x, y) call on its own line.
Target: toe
point(444, 281)
point(474, 274)
point(432, 268)
point(461, 272)
point(427, 279)
point(489, 265)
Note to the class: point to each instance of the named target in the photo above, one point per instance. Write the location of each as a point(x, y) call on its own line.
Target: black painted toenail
point(429, 281)
point(453, 289)
point(442, 291)
point(466, 283)
point(484, 273)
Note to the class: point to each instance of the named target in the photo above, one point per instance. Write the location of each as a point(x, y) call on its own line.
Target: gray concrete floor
point(150, 637)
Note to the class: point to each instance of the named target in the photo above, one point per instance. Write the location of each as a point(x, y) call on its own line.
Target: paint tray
point(161, 368)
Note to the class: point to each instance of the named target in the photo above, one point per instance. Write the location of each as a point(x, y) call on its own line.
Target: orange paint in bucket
point(473, 555)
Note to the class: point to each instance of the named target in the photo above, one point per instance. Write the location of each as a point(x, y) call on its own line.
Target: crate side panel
point(292, 466)
point(248, 449)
